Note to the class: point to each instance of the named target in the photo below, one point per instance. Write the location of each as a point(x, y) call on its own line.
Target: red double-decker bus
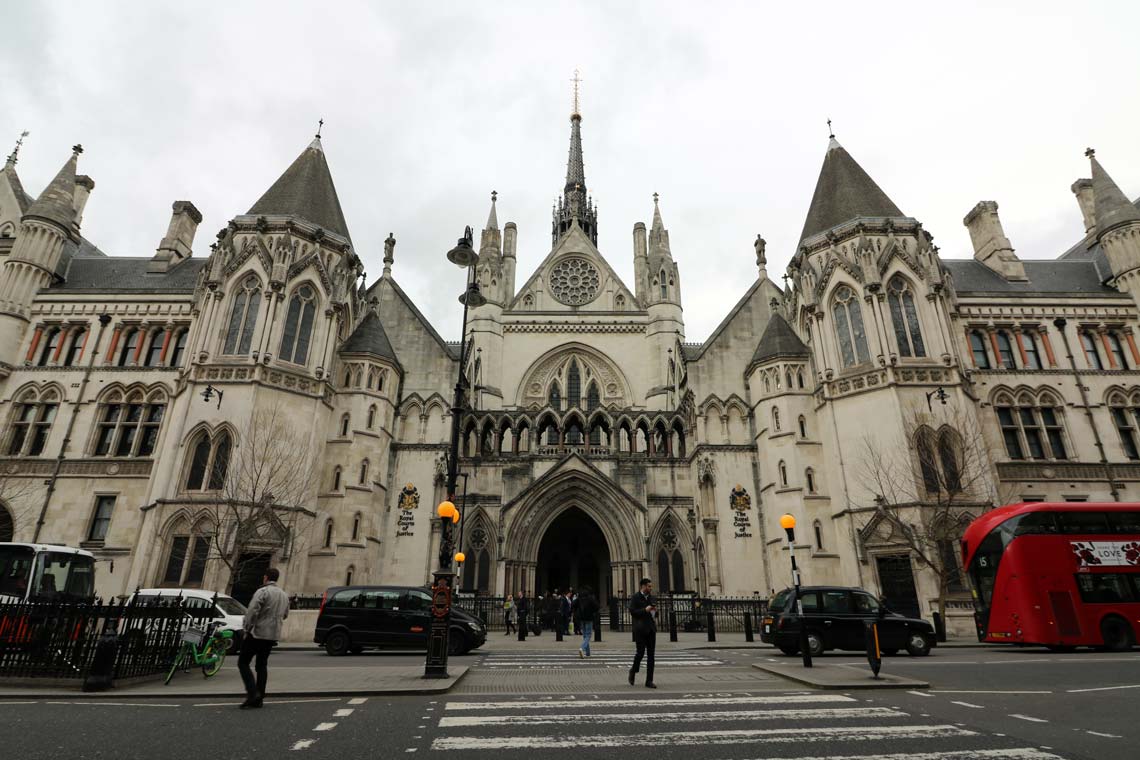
point(1060, 575)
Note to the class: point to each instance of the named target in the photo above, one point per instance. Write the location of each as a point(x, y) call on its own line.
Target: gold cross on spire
point(577, 80)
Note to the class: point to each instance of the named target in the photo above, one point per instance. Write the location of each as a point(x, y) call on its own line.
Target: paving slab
point(827, 676)
point(285, 681)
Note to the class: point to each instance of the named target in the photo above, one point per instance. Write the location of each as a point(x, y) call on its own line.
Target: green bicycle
point(202, 648)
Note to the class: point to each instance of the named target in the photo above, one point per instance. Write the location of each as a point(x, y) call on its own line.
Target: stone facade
point(599, 445)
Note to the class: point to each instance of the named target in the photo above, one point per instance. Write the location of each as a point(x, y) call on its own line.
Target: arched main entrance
point(573, 553)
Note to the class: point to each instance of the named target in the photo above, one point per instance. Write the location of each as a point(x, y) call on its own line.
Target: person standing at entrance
point(643, 608)
point(262, 625)
point(587, 607)
point(522, 606)
point(564, 613)
point(509, 615)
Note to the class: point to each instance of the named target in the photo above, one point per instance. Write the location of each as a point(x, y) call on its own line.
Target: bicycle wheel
point(174, 665)
point(214, 656)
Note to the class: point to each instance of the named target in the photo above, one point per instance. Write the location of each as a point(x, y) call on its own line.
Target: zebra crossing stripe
point(609, 704)
point(1019, 753)
point(466, 721)
point(676, 738)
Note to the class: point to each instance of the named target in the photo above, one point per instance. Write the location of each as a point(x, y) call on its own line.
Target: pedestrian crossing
point(599, 659)
point(726, 726)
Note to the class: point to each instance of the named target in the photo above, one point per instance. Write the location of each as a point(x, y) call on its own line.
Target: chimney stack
point(176, 246)
point(83, 187)
point(991, 247)
point(1083, 189)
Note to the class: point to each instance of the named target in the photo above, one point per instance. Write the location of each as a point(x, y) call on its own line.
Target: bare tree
point(926, 481)
point(17, 503)
point(268, 482)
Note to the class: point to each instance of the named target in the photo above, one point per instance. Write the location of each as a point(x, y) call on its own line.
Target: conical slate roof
point(1110, 205)
point(844, 192)
point(57, 202)
point(779, 341)
point(306, 191)
point(369, 338)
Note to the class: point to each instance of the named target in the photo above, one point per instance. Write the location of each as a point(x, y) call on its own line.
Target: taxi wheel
point(815, 643)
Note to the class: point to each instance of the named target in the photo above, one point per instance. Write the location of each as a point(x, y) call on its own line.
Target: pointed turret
point(1117, 228)
point(57, 203)
point(779, 341)
point(844, 192)
point(491, 239)
point(663, 274)
point(575, 205)
point(1111, 206)
point(305, 191)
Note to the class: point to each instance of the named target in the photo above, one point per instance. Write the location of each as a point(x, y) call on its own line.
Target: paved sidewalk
point(828, 676)
point(353, 679)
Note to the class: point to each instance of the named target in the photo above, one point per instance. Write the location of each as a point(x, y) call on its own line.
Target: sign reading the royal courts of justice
point(408, 501)
point(741, 504)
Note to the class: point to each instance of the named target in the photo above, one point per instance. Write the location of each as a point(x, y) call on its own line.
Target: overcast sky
point(719, 107)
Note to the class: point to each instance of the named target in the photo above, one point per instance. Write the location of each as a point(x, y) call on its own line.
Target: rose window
point(574, 281)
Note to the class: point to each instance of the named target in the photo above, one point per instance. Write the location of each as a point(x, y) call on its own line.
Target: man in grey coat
point(262, 628)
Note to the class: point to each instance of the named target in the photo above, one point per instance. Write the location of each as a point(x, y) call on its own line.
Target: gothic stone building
point(599, 445)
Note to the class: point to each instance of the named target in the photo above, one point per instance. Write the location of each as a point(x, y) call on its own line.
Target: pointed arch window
point(130, 347)
point(336, 479)
point(54, 336)
point(978, 350)
point(371, 416)
point(927, 463)
point(77, 341)
point(328, 533)
point(299, 325)
point(154, 348)
point(1031, 429)
point(1005, 349)
point(776, 419)
point(31, 425)
point(1124, 416)
point(344, 422)
point(209, 462)
point(809, 479)
point(178, 350)
point(664, 285)
point(803, 426)
point(364, 472)
point(573, 385)
point(949, 456)
point(593, 401)
point(849, 327)
point(1091, 354)
point(555, 397)
point(243, 317)
point(356, 527)
point(129, 426)
point(817, 529)
point(783, 468)
point(904, 316)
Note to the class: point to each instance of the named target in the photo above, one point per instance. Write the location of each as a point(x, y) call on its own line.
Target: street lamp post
point(788, 523)
point(462, 255)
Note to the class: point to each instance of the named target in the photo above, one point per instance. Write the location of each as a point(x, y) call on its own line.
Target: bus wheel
point(1116, 634)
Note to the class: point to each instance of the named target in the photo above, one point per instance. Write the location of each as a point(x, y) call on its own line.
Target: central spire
point(576, 204)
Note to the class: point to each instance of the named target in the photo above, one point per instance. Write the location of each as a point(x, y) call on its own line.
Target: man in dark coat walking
point(643, 608)
point(522, 606)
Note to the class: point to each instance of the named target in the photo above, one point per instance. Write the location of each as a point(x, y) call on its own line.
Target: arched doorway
point(573, 553)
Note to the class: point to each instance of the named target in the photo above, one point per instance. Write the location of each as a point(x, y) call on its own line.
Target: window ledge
point(366, 489)
point(824, 555)
point(350, 545)
point(322, 553)
point(816, 497)
point(782, 434)
point(788, 489)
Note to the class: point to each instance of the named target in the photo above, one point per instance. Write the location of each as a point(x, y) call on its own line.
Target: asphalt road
point(1018, 704)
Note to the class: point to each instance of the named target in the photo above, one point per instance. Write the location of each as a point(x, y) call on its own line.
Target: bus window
point(1106, 588)
point(983, 569)
point(1125, 522)
point(1035, 523)
point(15, 568)
point(1082, 522)
point(63, 575)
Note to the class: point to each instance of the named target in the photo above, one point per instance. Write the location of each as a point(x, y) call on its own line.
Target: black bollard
point(558, 626)
point(522, 627)
point(939, 626)
point(102, 664)
point(672, 625)
point(748, 626)
point(712, 626)
point(598, 627)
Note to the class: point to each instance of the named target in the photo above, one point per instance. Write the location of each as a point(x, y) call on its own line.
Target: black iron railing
point(60, 639)
point(692, 612)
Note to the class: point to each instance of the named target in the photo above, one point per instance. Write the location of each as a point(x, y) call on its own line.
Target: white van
point(227, 610)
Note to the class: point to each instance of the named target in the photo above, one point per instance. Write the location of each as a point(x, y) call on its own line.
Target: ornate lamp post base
point(436, 665)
